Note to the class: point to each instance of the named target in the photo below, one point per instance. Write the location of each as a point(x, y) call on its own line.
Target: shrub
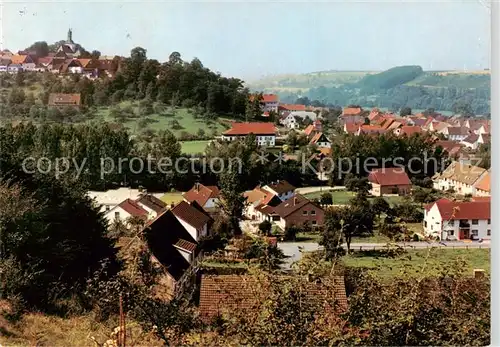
point(326, 199)
point(291, 233)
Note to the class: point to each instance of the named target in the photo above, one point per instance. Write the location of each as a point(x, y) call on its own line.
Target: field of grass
point(43, 330)
point(172, 198)
point(188, 123)
point(193, 147)
point(419, 261)
point(342, 197)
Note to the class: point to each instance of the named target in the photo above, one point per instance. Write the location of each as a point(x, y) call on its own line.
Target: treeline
point(98, 157)
point(416, 97)
point(390, 78)
point(174, 82)
point(358, 155)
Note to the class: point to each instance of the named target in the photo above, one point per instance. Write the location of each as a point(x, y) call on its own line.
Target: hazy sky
point(250, 39)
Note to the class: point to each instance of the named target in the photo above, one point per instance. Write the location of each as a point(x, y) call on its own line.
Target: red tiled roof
point(458, 130)
point(352, 111)
point(190, 215)
point(389, 177)
point(269, 98)
point(484, 182)
point(221, 294)
point(186, 245)
point(201, 194)
point(133, 208)
point(152, 202)
point(291, 205)
point(255, 128)
point(351, 127)
point(18, 59)
point(309, 129)
point(472, 138)
point(293, 107)
point(64, 99)
point(454, 210)
point(410, 130)
point(371, 129)
point(317, 137)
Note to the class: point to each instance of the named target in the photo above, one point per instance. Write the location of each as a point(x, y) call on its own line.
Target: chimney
point(172, 205)
point(478, 273)
point(197, 186)
point(294, 200)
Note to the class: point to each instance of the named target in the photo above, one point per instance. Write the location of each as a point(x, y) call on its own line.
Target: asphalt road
point(293, 249)
point(307, 190)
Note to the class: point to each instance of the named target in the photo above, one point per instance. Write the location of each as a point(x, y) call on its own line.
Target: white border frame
point(495, 162)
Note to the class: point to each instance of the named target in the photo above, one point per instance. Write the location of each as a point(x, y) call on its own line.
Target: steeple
point(70, 36)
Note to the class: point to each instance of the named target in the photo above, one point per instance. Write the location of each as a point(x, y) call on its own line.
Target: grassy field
point(173, 197)
point(188, 123)
point(342, 197)
point(419, 261)
point(43, 330)
point(193, 147)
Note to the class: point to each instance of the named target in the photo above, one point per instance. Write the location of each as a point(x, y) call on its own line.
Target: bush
point(265, 227)
point(291, 233)
point(326, 199)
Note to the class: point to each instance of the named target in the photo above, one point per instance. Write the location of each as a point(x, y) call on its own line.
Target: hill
point(394, 88)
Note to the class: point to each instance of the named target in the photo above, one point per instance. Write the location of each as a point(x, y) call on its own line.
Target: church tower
point(70, 36)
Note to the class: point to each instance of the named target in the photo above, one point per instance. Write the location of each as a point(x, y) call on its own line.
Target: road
point(293, 250)
point(307, 190)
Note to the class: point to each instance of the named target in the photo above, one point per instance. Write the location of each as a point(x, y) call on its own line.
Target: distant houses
point(459, 177)
point(265, 133)
point(64, 100)
point(386, 181)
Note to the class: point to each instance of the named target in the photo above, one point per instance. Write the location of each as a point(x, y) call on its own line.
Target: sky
point(250, 39)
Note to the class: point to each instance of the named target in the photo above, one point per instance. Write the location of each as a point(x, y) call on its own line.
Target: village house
point(352, 128)
point(265, 133)
point(27, 62)
point(205, 196)
point(192, 217)
point(152, 204)
point(290, 121)
point(313, 129)
point(474, 141)
point(389, 181)
point(260, 205)
point(106, 200)
point(291, 108)
point(282, 189)
point(352, 115)
point(222, 295)
point(455, 133)
point(451, 147)
point(269, 102)
point(482, 185)
point(62, 100)
point(125, 210)
point(407, 130)
point(175, 253)
point(297, 211)
point(320, 140)
point(458, 220)
point(370, 130)
point(459, 177)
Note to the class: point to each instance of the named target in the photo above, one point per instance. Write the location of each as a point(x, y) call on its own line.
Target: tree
point(265, 227)
point(326, 199)
point(95, 54)
point(254, 108)
point(358, 185)
point(233, 201)
point(291, 233)
point(380, 205)
point(41, 49)
point(405, 111)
